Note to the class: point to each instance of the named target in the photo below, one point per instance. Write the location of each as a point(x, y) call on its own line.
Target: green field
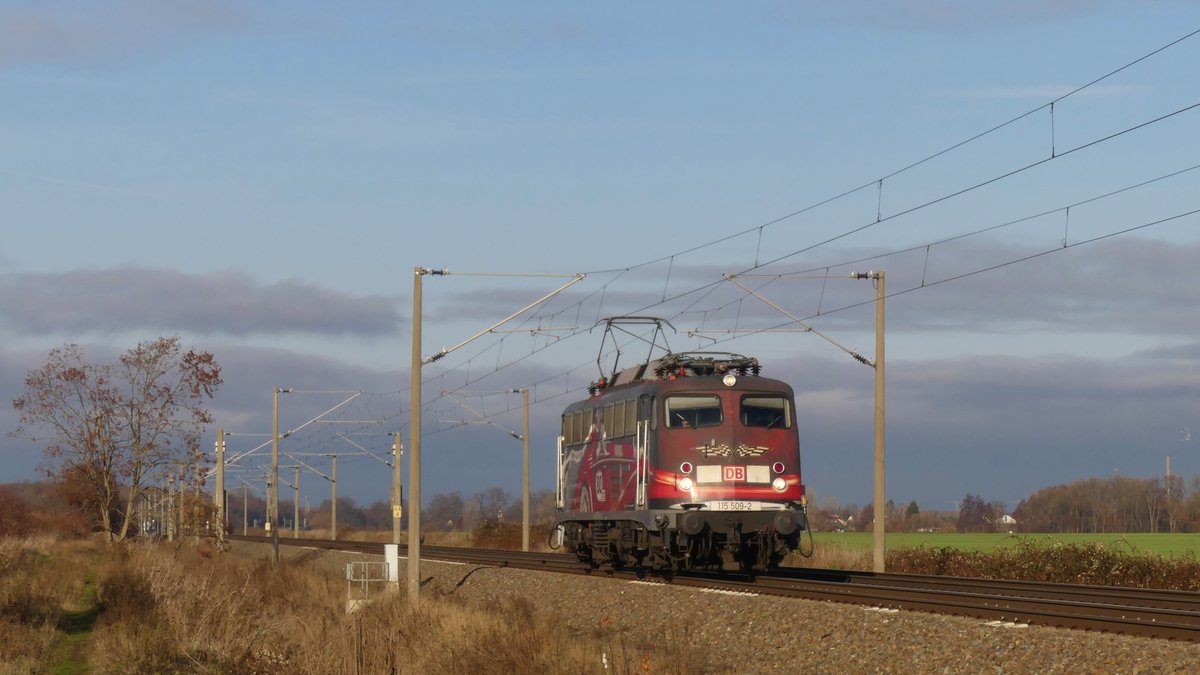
point(1169, 545)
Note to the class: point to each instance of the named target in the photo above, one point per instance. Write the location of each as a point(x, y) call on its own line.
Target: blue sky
point(262, 178)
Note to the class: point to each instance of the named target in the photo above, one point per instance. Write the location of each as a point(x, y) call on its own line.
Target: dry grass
point(830, 556)
point(171, 609)
point(40, 585)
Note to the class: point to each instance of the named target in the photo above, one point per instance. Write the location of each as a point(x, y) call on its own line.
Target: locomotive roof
point(674, 372)
point(687, 364)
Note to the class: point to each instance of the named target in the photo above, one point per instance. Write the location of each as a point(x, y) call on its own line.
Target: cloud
point(80, 32)
point(998, 426)
point(1117, 287)
point(109, 301)
point(1111, 288)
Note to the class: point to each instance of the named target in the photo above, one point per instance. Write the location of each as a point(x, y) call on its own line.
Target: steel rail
point(1131, 611)
point(1137, 597)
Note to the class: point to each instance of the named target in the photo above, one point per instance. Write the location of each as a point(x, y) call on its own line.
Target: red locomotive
point(686, 461)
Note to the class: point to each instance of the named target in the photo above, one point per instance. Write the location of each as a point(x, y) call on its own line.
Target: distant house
point(1007, 520)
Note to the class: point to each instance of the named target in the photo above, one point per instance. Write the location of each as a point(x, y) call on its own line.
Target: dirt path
point(69, 655)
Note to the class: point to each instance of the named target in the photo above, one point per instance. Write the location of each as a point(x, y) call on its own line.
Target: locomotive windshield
point(693, 411)
point(772, 412)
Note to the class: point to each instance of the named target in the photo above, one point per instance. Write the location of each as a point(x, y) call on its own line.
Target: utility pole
point(397, 506)
point(414, 457)
point(333, 503)
point(296, 503)
point(1170, 506)
point(196, 502)
point(219, 490)
point(170, 508)
point(879, 532)
point(525, 473)
point(177, 517)
point(1168, 476)
point(179, 502)
point(273, 492)
point(245, 508)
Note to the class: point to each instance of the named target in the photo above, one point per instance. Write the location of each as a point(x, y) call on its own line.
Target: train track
point(1143, 612)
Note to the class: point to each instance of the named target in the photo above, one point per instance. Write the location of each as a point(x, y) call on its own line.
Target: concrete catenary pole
point(170, 508)
point(245, 508)
point(219, 490)
point(273, 493)
point(879, 533)
point(879, 530)
point(525, 473)
point(397, 507)
point(333, 502)
point(414, 457)
point(296, 502)
point(179, 502)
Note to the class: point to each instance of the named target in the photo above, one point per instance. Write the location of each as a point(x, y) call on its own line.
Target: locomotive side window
point(772, 412)
point(692, 411)
point(631, 416)
point(581, 425)
point(610, 427)
point(571, 428)
point(622, 429)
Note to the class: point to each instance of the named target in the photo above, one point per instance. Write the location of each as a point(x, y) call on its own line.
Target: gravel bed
point(714, 632)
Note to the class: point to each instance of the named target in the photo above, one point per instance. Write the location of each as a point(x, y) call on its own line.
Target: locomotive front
point(728, 468)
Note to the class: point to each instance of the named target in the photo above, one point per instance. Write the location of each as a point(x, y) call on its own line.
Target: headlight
point(779, 484)
point(686, 484)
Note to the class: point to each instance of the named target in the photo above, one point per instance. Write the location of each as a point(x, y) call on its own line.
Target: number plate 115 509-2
point(726, 505)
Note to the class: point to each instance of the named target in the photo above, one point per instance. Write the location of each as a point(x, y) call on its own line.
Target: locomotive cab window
point(684, 412)
point(771, 412)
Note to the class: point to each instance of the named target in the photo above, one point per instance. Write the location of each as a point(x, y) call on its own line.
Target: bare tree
point(492, 502)
point(115, 426)
point(976, 515)
point(445, 511)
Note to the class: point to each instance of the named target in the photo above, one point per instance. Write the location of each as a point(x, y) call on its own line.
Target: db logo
point(733, 474)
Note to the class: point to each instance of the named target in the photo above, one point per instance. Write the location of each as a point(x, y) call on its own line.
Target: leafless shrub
point(507, 536)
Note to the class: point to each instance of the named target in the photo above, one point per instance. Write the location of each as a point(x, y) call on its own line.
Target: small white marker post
point(391, 556)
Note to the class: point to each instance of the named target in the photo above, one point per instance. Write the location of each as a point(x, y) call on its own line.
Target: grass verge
point(165, 609)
